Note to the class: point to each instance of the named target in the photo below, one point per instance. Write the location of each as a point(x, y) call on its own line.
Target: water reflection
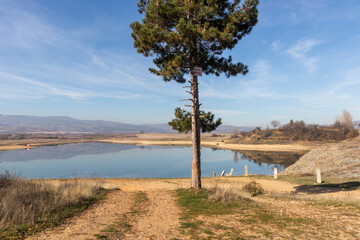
point(260, 157)
point(115, 160)
point(65, 151)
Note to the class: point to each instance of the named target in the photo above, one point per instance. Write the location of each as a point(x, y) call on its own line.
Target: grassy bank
point(30, 206)
point(231, 213)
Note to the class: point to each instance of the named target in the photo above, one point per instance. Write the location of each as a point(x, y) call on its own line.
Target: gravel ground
point(340, 159)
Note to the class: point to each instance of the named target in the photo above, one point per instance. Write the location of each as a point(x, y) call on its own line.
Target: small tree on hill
point(184, 34)
point(182, 121)
point(275, 123)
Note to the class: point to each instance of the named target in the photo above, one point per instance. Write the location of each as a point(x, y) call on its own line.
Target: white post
point(231, 172)
point(223, 173)
point(275, 173)
point(318, 176)
point(246, 171)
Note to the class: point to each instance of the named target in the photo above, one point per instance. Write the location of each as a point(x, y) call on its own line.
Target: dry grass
point(316, 199)
point(31, 205)
point(227, 193)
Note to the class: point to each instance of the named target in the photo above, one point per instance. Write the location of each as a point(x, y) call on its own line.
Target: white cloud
point(341, 93)
point(258, 84)
point(300, 51)
point(311, 63)
point(99, 62)
point(302, 47)
point(226, 112)
point(294, 17)
point(275, 45)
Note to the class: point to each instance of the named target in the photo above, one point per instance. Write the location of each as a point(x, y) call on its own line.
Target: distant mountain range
point(62, 124)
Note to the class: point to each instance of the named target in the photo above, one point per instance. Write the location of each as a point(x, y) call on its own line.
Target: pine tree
point(183, 34)
point(182, 121)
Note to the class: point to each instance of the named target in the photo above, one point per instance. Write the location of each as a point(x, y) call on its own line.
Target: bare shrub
point(235, 133)
point(227, 193)
point(275, 123)
point(7, 178)
point(254, 188)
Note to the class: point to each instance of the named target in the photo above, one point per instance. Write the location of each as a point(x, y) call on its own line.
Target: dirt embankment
point(340, 159)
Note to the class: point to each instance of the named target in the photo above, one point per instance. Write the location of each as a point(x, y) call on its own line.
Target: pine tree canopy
point(182, 121)
point(182, 34)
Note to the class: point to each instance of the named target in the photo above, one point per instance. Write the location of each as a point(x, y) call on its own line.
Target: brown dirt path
point(160, 220)
point(91, 221)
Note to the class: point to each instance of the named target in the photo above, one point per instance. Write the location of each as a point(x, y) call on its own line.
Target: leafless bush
point(7, 178)
point(254, 188)
point(235, 133)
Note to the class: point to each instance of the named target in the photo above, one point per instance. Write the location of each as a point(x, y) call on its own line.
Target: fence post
point(275, 173)
point(214, 174)
point(246, 171)
point(223, 173)
point(318, 176)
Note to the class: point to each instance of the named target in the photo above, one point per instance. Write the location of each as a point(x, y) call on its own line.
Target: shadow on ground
point(328, 188)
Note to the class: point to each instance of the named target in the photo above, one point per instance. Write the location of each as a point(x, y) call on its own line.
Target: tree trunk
point(195, 131)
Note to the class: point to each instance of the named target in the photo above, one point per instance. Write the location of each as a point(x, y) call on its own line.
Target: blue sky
point(76, 58)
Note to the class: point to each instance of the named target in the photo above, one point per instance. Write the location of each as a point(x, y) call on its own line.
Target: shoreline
point(163, 140)
point(216, 144)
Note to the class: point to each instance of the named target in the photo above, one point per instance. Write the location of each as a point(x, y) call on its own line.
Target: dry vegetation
point(343, 128)
point(28, 206)
point(230, 213)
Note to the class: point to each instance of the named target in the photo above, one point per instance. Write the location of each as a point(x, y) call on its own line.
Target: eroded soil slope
point(340, 159)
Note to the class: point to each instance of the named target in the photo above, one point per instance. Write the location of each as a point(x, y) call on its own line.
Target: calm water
point(126, 161)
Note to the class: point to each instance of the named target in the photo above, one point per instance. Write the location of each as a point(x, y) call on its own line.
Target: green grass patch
point(196, 202)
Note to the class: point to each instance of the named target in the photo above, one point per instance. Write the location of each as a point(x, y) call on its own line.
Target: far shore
point(222, 141)
point(208, 141)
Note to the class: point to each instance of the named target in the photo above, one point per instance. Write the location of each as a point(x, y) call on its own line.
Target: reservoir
point(106, 160)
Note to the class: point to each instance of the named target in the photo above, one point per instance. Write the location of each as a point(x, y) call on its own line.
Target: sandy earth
point(160, 218)
point(91, 221)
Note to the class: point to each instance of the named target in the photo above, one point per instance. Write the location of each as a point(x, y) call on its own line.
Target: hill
point(221, 129)
point(20, 124)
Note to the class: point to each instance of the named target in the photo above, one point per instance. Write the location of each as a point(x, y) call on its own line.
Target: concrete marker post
point(318, 176)
point(223, 173)
point(275, 173)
